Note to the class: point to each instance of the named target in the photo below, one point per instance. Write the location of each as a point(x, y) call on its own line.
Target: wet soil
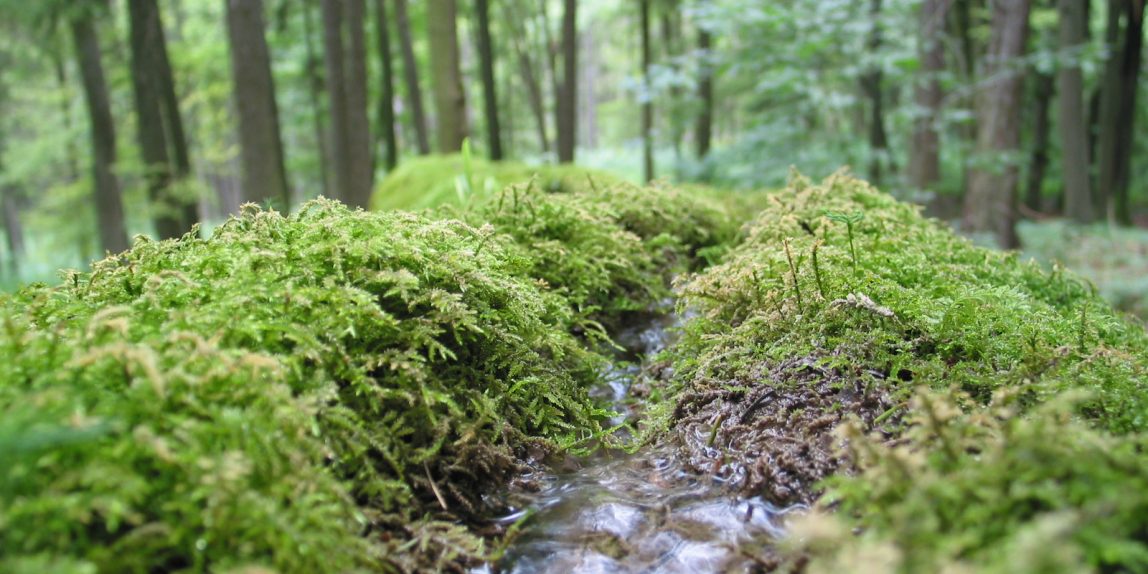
point(772, 435)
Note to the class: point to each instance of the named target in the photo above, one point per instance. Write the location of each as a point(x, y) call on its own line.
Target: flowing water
point(640, 512)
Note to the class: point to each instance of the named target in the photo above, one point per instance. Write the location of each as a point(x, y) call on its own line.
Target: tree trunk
point(1042, 124)
point(489, 93)
point(703, 129)
point(411, 77)
point(386, 88)
point(360, 160)
point(9, 194)
point(647, 99)
point(334, 60)
point(260, 142)
point(159, 126)
point(1118, 104)
point(109, 205)
point(567, 94)
point(449, 98)
point(526, 67)
point(315, 91)
point(1070, 114)
point(873, 82)
point(990, 203)
point(924, 154)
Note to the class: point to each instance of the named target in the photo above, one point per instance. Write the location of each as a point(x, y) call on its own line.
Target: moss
point(991, 411)
point(609, 249)
point(292, 390)
point(433, 181)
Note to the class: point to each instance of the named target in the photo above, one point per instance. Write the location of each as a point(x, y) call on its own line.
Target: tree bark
point(360, 159)
point(159, 126)
point(703, 129)
point(109, 205)
point(990, 203)
point(526, 67)
point(647, 99)
point(260, 140)
point(1078, 204)
point(446, 78)
point(337, 100)
point(411, 77)
point(1118, 104)
point(924, 154)
point(489, 92)
point(315, 91)
point(873, 82)
point(9, 194)
point(386, 88)
point(567, 93)
point(1043, 87)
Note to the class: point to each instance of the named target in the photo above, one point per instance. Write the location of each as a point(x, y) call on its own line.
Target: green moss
point(905, 298)
point(611, 249)
point(277, 391)
point(1018, 396)
point(433, 181)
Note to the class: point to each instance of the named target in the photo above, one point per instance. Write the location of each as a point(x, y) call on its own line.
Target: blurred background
point(1016, 120)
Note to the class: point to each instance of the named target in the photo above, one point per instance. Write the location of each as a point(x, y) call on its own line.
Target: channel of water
point(642, 512)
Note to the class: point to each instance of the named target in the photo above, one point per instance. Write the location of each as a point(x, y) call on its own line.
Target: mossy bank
point(965, 406)
point(332, 391)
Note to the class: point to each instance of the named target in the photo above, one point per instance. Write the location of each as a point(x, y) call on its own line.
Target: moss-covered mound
point(608, 250)
point(292, 391)
point(840, 304)
point(437, 180)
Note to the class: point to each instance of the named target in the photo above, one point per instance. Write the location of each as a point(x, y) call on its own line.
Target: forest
point(525, 286)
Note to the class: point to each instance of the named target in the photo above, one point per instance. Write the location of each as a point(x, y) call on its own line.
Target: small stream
point(641, 512)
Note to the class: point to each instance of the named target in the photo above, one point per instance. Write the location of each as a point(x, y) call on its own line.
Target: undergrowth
point(1019, 397)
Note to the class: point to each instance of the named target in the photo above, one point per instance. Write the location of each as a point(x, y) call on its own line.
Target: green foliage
point(1016, 443)
point(904, 297)
point(433, 181)
point(272, 393)
point(985, 490)
point(608, 250)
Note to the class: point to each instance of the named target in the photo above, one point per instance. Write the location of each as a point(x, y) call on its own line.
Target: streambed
point(640, 512)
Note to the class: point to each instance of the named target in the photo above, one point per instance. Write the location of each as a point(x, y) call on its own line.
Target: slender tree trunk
point(71, 153)
point(703, 129)
point(315, 91)
point(966, 66)
point(411, 77)
point(874, 87)
point(334, 59)
point(990, 203)
point(567, 94)
point(450, 100)
point(924, 154)
point(386, 88)
point(1118, 104)
point(260, 142)
point(9, 194)
point(1074, 162)
point(526, 67)
point(1044, 85)
point(109, 206)
point(489, 93)
point(360, 159)
point(159, 125)
point(647, 101)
